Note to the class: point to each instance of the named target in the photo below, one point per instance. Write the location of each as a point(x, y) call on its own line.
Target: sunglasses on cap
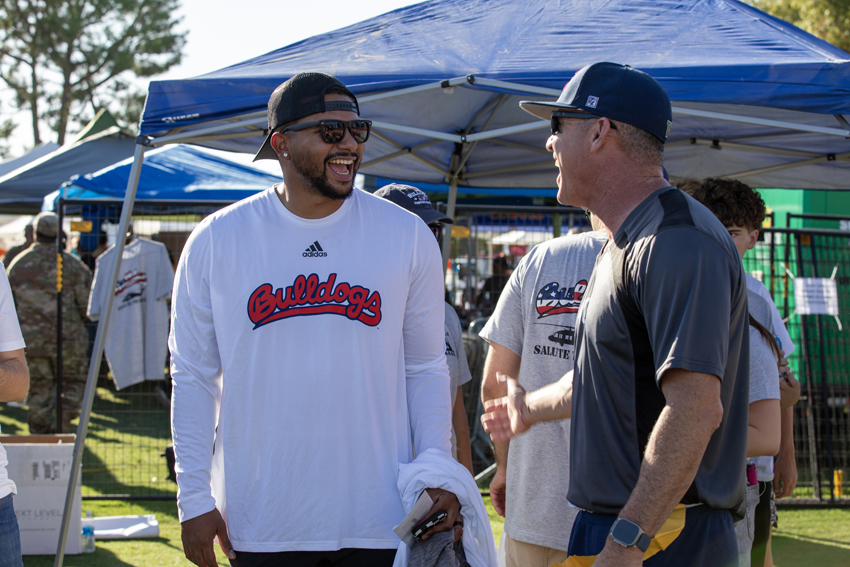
point(333, 131)
point(556, 123)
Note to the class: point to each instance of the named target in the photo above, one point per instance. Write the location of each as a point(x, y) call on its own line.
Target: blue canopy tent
point(172, 173)
point(441, 81)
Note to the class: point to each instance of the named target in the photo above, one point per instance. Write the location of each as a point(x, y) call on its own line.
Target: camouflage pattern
point(42, 396)
point(32, 277)
point(12, 252)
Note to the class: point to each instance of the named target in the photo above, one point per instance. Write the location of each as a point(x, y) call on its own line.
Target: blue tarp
point(171, 173)
point(697, 50)
point(710, 55)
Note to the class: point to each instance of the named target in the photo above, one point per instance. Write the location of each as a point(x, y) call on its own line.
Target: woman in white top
point(764, 424)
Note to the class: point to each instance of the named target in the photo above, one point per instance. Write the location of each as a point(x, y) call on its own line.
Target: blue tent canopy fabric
point(24, 189)
point(447, 73)
point(176, 172)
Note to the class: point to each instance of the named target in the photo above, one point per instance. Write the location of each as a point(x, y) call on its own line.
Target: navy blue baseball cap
point(414, 200)
point(614, 91)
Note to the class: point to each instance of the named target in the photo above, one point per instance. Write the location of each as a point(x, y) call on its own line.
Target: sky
point(224, 32)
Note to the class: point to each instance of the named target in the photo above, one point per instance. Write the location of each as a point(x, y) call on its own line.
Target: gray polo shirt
point(668, 292)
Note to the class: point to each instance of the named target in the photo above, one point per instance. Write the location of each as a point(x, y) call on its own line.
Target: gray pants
point(745, 528)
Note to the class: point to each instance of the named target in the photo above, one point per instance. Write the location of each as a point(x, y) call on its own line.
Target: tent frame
point(255, 123)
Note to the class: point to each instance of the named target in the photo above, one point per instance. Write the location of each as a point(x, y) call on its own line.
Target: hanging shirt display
point(137, 338)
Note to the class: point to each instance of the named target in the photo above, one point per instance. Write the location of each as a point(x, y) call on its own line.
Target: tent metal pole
point(447, 230)
point(183, 136)
point(526, 147)
point(762, 122)
point(720, 144)
point(536, 165)
point(417, 131)
point(399, 153)
point(97, 352)
point(506, 131)
point(517, 87)
point(418, 89)
point(830, 157)
point(398, 146)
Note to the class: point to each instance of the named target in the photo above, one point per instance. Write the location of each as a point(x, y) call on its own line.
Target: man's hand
point(198, 535)
point(615, 555)
point(498, 487)
point(789, 386)
point(506, 417)
point(448, 502)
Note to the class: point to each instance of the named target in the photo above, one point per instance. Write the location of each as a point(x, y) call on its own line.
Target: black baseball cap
point(413, 200)
point(614, 91)
point(300, 96)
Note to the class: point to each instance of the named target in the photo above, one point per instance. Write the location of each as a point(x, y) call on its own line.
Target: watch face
point(625, 532)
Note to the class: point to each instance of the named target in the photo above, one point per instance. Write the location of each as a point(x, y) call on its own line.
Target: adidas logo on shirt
point(314, 251)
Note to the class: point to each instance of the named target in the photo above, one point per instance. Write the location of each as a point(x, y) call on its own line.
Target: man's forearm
point(14, 379)
point(786, 442)
point(551, 402)
point(673, 454)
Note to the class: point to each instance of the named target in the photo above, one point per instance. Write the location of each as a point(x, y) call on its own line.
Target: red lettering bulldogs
point(306, 296)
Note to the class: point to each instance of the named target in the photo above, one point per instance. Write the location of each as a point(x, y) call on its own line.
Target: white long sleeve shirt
point(308, 360)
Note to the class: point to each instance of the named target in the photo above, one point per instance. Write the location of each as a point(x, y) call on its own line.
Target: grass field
point(807, 538)
point(129, 431)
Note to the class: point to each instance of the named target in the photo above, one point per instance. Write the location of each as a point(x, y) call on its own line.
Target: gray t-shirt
point(668, 292)
point(456, 360)
point(764, 380)
point(535, 318)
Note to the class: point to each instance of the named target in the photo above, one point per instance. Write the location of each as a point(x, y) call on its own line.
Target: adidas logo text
point(314, 251)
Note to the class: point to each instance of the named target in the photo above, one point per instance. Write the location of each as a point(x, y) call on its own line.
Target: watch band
point(629, 534)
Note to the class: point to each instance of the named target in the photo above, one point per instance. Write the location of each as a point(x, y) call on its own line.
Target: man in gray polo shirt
point(659, 399)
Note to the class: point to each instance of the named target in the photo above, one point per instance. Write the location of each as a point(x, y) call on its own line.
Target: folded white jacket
point(435, 469)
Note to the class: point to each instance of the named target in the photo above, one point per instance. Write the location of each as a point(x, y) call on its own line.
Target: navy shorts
point(708, 539)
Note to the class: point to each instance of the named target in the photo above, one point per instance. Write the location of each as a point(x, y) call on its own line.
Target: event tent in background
point(754, 97)
point(101, 143)
point(32, 155)
point(174, 174)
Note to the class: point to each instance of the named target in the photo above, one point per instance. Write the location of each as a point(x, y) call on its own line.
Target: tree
point(826, 19)
point(6, 129)
point(62, 57)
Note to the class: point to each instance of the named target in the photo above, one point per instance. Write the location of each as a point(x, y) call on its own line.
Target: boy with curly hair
point(742, 211)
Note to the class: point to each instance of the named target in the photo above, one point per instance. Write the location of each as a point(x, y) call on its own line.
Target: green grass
point(129, 431)
point(807, 538)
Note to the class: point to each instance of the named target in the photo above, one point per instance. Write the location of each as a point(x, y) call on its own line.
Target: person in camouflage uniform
point(32, 276)
point(15, 250)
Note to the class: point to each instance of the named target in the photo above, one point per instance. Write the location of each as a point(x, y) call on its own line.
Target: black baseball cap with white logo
point(413, 200)
point(614, 91)
point(300, 96)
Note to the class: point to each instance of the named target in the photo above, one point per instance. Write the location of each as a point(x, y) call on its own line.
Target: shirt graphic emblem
point(306, 296)
point(554, 299)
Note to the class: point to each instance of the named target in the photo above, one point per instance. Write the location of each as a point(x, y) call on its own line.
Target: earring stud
point(285, 154)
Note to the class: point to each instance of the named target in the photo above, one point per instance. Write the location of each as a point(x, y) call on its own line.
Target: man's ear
point(754, 236)
point(599, 133)
point(279, 144)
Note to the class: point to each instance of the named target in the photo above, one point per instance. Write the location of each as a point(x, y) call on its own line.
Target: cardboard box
point(40, 465)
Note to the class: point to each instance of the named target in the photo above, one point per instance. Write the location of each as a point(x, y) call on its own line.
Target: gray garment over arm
point(668, 292)
point(456, 361)
point(535, 318)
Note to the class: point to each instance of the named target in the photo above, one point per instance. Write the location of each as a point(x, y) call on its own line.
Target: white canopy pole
point(97, 352)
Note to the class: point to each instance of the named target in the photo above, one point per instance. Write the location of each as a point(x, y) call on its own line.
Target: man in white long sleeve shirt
point(307, 354)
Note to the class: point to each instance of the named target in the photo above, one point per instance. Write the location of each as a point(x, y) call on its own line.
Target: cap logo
point(669, 124)
point(592, 101)
point(417, 196)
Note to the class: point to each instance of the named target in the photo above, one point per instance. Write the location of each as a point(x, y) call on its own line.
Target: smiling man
point(307, 354)
point(659, 399)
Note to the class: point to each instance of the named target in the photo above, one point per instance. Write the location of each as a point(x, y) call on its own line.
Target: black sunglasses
point(556, 123)
point(437, 231)
point(334, 130)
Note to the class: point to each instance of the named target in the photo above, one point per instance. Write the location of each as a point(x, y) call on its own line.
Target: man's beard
point(318, 179)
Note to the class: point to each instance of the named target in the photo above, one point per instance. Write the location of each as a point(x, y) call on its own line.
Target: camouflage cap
point(46, 224)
